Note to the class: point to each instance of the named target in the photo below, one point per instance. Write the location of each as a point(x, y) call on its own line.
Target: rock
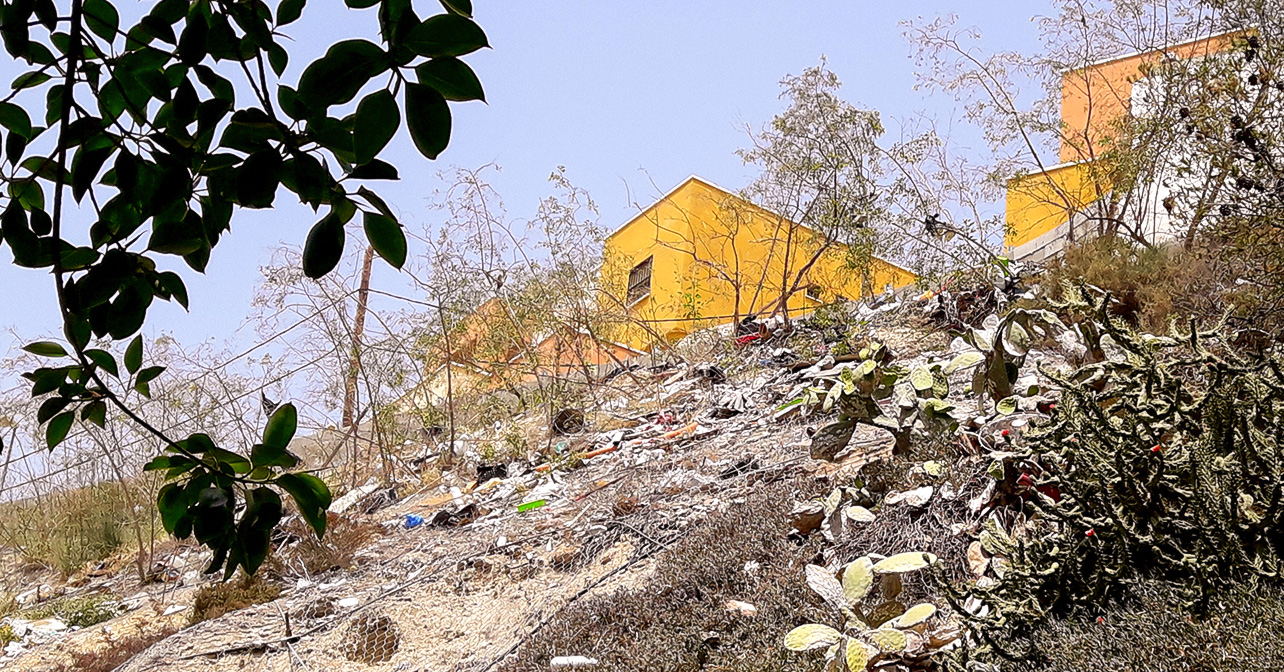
point(976, 558)
point(352, 497)
point(807, 517)
point(830, 440)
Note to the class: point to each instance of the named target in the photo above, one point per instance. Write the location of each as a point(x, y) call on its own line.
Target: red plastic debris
point(1157, 448)
point(747, 339)
point(1089, 533)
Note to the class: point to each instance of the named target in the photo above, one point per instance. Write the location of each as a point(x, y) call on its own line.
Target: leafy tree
point(143, 127)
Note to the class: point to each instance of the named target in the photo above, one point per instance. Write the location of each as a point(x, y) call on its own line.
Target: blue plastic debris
point(413, 521)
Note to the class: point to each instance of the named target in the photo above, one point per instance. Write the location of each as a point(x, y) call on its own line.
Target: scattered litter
point(413, 521)
point(531, 506)
point(572, 662)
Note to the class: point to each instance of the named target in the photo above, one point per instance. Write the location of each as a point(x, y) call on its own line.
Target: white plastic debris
point(572, 662)
point(743, 608)
point(348, 602)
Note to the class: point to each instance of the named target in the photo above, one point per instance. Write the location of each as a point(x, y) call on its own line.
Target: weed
point(217, 599)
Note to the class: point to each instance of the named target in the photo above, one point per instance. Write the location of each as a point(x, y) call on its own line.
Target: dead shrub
point(680, 620)
point(217, 599)
point(1153, 285)
point(116, 653)
point(371, 639)
point(337, 550)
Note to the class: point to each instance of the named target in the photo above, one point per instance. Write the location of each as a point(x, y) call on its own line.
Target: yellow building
point(1063, 202)
point(701, 256)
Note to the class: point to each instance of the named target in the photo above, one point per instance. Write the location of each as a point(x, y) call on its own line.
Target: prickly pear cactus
point(1165, 458)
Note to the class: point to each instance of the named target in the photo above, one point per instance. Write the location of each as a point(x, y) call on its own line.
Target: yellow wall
point(1038, 203)
point(716, 256)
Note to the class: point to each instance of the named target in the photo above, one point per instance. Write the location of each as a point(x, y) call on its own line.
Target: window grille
point(639, 282)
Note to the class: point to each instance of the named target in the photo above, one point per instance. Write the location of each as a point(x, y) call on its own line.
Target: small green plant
point(7, 634)
point(858, 390)
point(877, 629)
point(75, 611)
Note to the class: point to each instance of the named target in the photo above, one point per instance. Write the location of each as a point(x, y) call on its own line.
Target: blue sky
point(630, 97)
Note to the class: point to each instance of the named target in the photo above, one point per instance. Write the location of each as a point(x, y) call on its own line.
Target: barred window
point(639, 282)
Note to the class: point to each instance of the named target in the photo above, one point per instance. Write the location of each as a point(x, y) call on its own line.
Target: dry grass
point(679, 620)
point(1154, 285)
point(310, 556)
point(64, 530)
point(1152, 633)
point(117, 652)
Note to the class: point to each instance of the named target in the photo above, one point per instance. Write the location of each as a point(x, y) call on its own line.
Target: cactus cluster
point(1162, 462)
point(873, 391)
point(877, 628)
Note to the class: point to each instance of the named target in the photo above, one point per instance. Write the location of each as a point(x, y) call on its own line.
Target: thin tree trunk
point(358, 327)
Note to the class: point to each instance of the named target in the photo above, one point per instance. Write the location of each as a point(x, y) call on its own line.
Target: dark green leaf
point(378, 118)
point(173, 284)
point(51, 407)
point(446, 35)
point(102, 18)
point(171, 503)
point(178, 237)
point(95, 412)
point(428, 118)
point(387, 238)
point(452, 78)
point(312, 497)
point(29, 79)
point(289, 11)
point(103, 360)
point(460, 7)
point(337, 77)
point(258, 178)
point(375, 170)
point(324, 246)
point(134, 354)
point(15, 119)
point(361, 4)
point(149, 374)
point(45, 349)
point(57, 430)
point(281, 427)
